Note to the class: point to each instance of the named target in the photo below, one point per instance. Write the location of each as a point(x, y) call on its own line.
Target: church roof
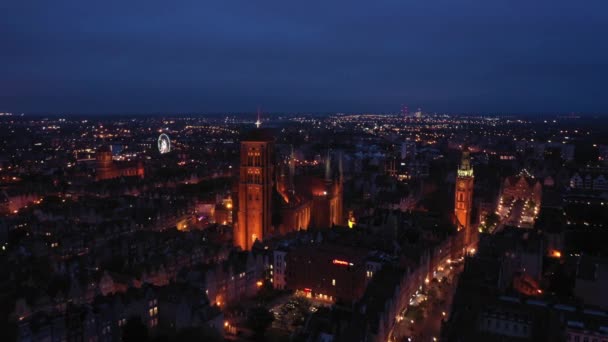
point(259, 134)
point(514, 180)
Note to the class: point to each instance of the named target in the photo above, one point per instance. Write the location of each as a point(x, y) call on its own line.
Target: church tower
point(256, 177)
point(104, 165)
point(464, 196)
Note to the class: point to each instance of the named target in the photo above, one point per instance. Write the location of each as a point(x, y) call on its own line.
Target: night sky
point(517, 56)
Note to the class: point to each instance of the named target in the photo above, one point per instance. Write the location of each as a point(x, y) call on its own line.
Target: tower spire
point(258, 122)
point(328, 167)
point(340, 168)
point(292, 167)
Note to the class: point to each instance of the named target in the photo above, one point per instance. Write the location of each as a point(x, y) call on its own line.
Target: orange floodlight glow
point(342, 262)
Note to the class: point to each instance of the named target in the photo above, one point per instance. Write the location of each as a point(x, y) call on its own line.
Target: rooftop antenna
point(328, 167)
point(258, 122)
point(340, 168)
point(292, 168)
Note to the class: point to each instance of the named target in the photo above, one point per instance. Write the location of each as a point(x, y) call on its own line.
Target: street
point(421, 319)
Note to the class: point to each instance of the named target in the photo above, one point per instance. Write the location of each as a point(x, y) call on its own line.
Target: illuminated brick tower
point(255, 188)
point(104, 168)
point(464, 196)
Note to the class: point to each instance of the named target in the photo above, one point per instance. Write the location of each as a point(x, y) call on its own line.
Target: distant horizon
point(253, 114)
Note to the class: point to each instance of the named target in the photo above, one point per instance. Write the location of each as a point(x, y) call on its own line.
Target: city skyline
point(338, 171)
point(425, 228)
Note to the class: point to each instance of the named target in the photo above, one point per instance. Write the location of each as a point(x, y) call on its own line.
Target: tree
point(489, 223)
point(134, 330)
point(433, 293)
point(258, 320)
point(197, 334)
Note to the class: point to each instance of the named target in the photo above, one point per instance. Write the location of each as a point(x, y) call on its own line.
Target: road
point(426, 327)
point(431, 325)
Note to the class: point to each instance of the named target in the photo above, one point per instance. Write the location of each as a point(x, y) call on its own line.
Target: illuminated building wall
point(295, 216)
point(326, 272)
point(327, 198)
point(522, 187)
point(107, 169)
point(314, 203)
point(11, 203)
point(327, 207)
point(295, 210)
point(464, 196)
point(223, 212)
point(520, 200)
point(255, 189)
point(233, 280)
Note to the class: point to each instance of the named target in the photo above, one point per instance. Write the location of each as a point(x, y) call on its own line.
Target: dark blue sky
point(330, 55)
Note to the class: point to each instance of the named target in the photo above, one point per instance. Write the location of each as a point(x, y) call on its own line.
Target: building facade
point(327, 272)
point(106, 168)
point(255, 189)
point(520, 200)
point(464, 196)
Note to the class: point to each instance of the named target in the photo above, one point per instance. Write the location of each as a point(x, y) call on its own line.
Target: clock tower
point(464, 196)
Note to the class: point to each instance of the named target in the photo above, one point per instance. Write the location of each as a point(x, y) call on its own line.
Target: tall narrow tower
point(464, 195)
point(255, 188)
point(104, 165)
point(258, 122)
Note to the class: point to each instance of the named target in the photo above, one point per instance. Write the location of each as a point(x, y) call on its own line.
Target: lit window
point(333, 282)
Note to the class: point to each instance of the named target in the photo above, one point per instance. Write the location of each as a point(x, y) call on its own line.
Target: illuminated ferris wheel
point(164, 144)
